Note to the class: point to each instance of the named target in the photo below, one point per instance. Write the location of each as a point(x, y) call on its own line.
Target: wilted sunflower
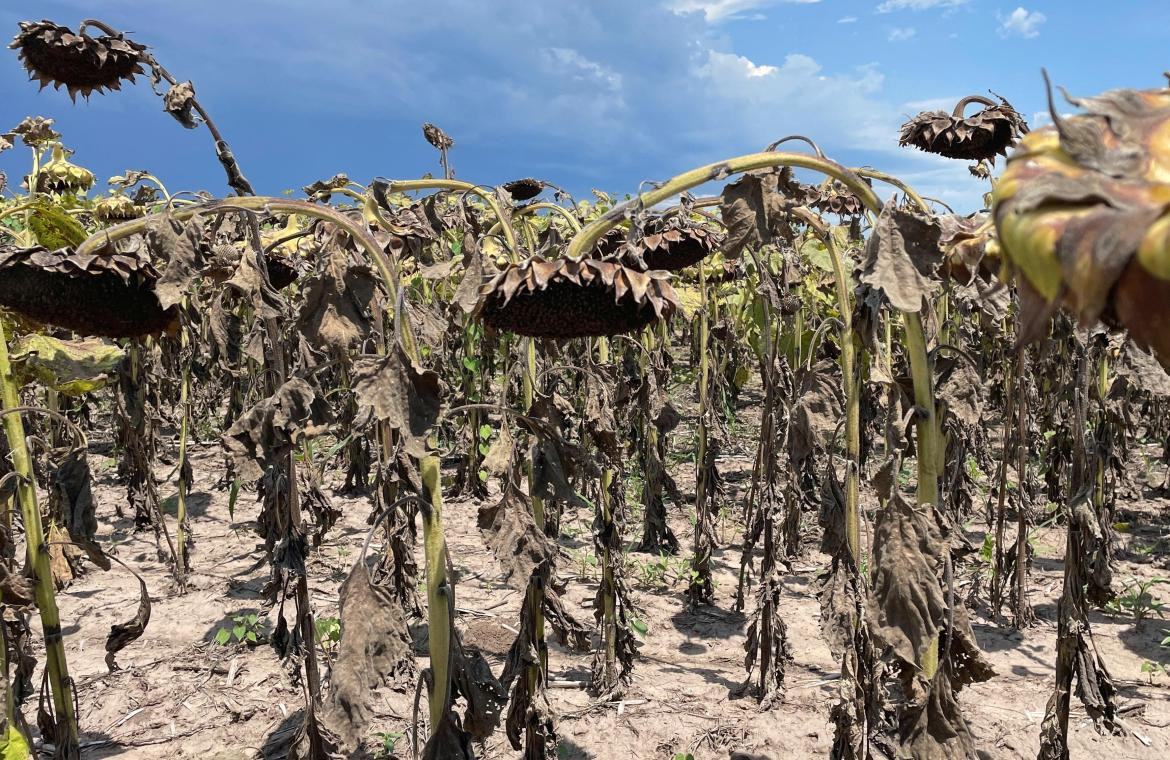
point(437, 137)
point(109, 294)
point(833, 197)
point(56, 55)
point(568, 298)
point(116, 208)
point(1083, 213)
point(672, 243)
point(34, 131)
point(980, 137)
point(58, 175)
point(524, 189)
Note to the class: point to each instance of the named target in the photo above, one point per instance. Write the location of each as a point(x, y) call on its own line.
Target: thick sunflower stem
point(439, 600)
point(37, 552)
point(700, 585)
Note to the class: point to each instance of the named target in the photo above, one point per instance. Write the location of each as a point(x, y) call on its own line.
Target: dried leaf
point(393, 389)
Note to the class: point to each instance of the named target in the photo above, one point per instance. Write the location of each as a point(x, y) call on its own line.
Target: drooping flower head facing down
point(982, 136)
point(565, 298)
point(56, 55)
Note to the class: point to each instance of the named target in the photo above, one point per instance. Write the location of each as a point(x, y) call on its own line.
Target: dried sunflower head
point(60, 176)
point(34, 131)
point(116, 208)
point(323, 189)
point(82, 64)
point(1083, 213)
point(567, 298)
point(437, 137)
point(672, 243)
point(524, 189)
point(833, 197)
point(179, 102)
point(110, 294)
point(980, 137)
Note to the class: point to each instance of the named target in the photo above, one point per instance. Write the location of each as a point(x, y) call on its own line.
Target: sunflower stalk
point(37, 553)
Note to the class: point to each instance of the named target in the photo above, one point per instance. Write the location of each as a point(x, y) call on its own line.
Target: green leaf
point(251, 636)
point(485, 431)
point(223, 636)
point(53, 228)
point(12, 745)
point(239, 632)
point(233, 494)
point(639, 626)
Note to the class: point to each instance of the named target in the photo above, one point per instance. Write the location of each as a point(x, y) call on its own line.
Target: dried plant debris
point(987, 133)
point(753, 209)
point(82, 64)
point(514, 538)
point(123, 634)
point(575, 299)
point(374, 651)
point(272, 427)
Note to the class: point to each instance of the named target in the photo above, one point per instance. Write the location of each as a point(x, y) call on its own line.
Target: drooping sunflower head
point(981, 136)
point(567, 298)
point(82, 64)
point(60, 176)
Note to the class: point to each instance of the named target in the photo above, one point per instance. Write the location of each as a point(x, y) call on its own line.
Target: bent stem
point(588, 237)
point(408, 185)
point(37, 553)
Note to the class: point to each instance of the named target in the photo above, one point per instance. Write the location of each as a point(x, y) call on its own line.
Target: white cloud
point(581, 67)
point(847, 20)
point(1021, 23)
point(719, 10)
point(901, 34)
point(888, 6)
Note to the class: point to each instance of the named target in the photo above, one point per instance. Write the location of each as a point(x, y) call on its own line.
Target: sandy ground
point(180, 695)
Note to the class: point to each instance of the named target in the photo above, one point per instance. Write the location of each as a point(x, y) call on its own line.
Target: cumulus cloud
point(847, 20)
point(901, 34)
point(1021, 23)
point(889, 6)
point(718, 10)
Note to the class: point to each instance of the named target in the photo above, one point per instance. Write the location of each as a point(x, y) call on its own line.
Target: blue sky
point(584, 93)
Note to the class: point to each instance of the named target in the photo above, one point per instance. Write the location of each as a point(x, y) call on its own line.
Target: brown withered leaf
point(747, 208)
point(448, 741)
point(511, 532)
point(334, 309)
point(180, 247)
point(474, 275)
point(815, 412)
point(393, 389)
point(179, 102)
point(272, 427)
point(1143, 371)
point(374, 650)
point(961, 389)
point(902, 256)
point(123, 634)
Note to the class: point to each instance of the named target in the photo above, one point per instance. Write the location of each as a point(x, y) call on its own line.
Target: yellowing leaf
point(70, 367)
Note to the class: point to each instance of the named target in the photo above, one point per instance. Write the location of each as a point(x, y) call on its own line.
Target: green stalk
point(538, 673)
point(439, 601)
point(37, 552)
point(926, 424)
